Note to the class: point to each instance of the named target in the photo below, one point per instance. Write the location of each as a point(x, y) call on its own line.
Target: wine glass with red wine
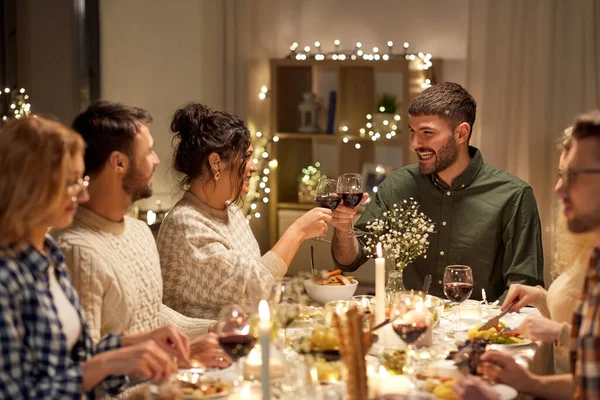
point(350, 189)
point(458, 286)
point(410, 320)
point(235, 336)
point(326, 197)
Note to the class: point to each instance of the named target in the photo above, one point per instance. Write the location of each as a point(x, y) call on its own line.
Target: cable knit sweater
point(115, 269)
point(211, 259)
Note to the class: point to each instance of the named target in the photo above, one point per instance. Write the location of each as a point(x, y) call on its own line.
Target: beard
point(135, 184)
point(444, 157)
point(583, 225)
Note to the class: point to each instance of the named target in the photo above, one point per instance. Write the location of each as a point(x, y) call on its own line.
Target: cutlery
point(426, 285)
point(312, 260)
point(381, 325)
point(492, 322)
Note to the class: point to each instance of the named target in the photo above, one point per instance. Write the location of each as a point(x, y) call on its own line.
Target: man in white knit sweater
point(112, 258)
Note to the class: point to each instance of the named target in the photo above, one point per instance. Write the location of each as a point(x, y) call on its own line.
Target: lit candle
point(265, 335)
point(379, 286)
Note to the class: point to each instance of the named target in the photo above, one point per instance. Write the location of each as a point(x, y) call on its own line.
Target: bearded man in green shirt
point(484, 217)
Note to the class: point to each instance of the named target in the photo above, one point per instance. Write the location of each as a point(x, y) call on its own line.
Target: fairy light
point(14, 103)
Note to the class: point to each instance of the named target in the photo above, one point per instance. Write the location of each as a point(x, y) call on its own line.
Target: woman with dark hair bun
point(208, 253)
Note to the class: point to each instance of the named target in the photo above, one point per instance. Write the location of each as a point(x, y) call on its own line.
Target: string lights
point(14, 104)
point(357, 53)
point(259, 188)
point(374, 130)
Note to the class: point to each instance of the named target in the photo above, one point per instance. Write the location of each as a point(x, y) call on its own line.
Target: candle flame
point(263, 311)
point(379, 251)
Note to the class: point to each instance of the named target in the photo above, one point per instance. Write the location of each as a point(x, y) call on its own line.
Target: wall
point(46, 57)
point(160, 55)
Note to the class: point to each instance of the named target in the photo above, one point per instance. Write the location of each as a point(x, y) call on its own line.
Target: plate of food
point(322, 343)
point(331, 286)
point(192, 387)
point(443, 388)
point(498, 335)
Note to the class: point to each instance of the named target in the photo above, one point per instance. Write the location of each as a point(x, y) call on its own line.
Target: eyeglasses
point(75, 189)
point(568, 176)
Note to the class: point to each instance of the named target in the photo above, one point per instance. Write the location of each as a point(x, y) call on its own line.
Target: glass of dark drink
point(235, 335)
point(326, 197)
point(410, 320)
point(458, 286)
point(351, 191)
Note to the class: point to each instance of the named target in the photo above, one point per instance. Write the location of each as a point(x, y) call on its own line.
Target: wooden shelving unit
point(357, 85)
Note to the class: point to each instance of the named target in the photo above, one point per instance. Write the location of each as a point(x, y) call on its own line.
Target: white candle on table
point(265, 336)
point(379, 286)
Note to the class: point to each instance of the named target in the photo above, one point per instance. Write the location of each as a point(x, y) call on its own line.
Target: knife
point(312, 260)
point(492, 322)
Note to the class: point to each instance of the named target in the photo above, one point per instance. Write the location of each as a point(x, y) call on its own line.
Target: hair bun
point(190, 119)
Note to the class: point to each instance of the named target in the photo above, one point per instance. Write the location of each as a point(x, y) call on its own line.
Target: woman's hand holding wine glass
point(326, 197)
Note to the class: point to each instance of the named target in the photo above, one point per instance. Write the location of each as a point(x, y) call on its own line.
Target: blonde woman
point(46, 351)
point(559, 302)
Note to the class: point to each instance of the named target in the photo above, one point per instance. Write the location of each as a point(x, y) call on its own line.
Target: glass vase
point(395, 284)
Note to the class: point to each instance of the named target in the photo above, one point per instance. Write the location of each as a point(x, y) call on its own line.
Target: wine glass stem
point(408, 367)
point(457, 329)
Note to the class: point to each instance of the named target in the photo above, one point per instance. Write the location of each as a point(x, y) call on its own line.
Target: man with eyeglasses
point(578, 188)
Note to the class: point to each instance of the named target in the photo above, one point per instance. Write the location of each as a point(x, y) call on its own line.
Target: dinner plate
point(154, 395)
point(462, 337)
point(505, 392)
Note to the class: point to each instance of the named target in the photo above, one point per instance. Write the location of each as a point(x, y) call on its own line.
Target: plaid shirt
point(585, 343)
point(34, 360)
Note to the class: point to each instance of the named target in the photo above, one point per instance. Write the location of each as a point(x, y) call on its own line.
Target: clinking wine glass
point(410, 320)
point(458, 286)
point(326, 197)
point(350, 189)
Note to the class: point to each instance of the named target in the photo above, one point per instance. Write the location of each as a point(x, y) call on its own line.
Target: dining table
point(300, 381)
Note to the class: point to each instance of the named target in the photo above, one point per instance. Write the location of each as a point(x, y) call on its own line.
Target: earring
point(217, 175)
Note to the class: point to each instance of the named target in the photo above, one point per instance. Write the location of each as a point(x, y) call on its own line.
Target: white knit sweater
point(211, 259)
point(115, 269)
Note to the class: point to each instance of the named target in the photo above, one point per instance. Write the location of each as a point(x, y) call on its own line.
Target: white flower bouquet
point(403, 233)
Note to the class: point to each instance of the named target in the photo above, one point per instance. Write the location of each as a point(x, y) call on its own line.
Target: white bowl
point(322, 293)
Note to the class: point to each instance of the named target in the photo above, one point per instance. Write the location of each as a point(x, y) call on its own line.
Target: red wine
point(410, 332)
point(237, 346)
point(331, 201)
point(457, 292)
point(352, 199)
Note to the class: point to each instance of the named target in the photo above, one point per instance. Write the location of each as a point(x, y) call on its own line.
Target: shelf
point(307, 136)
point(337, 137)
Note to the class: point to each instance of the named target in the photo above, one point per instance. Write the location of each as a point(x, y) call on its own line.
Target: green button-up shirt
point(487, 219)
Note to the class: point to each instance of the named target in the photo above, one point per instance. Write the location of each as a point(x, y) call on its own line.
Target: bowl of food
point(331, 286)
